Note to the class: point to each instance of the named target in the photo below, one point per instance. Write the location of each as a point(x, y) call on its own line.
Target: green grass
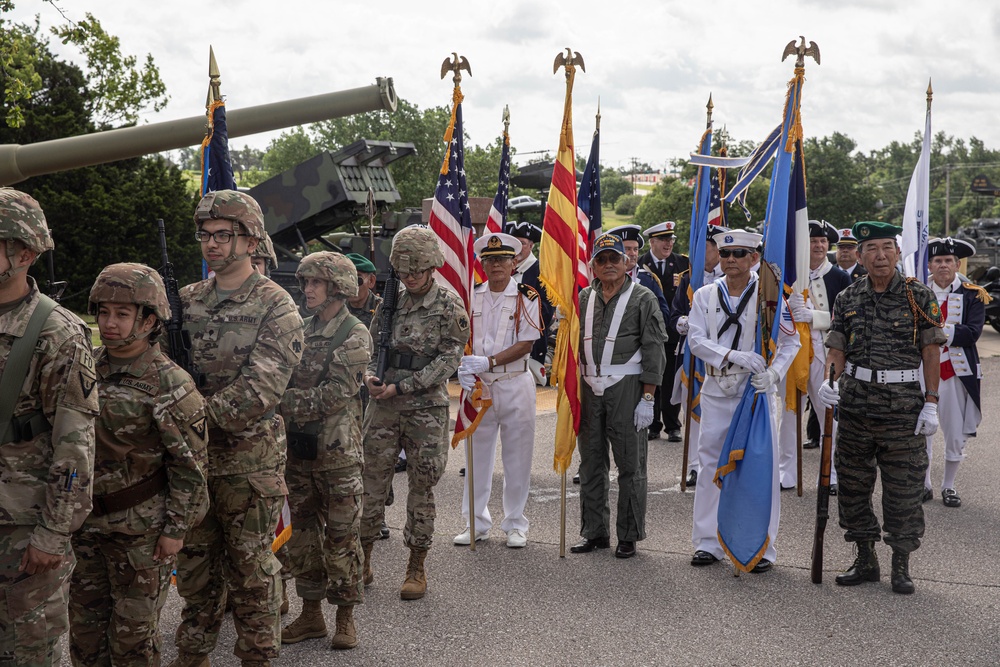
point(95, 336)
point(610, 219)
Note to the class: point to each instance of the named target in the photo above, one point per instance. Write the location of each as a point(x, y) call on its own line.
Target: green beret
point(361, 263)
point(871, 230)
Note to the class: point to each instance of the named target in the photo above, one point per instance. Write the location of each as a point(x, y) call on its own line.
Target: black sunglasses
point(604, 258)
point(737, 252)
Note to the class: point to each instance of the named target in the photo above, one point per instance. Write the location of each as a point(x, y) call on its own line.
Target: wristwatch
point(647, 396)
point(932, 394)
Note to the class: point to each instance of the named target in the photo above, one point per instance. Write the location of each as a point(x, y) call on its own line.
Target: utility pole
point(947, 200)
point(634, 161)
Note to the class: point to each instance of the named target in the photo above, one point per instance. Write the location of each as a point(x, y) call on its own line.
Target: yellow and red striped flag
point(559, 259)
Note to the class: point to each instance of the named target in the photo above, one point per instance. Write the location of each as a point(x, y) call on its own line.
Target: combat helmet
point(415, 248)
point(333, 267)
point(237, 207)
point(130, 283)
point(21, 219)
point(265, 251)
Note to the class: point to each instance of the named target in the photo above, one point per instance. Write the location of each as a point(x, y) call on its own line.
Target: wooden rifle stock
point(823, 494)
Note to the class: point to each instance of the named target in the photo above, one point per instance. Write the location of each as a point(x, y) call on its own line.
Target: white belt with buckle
point(882, 377)
point(634, 368)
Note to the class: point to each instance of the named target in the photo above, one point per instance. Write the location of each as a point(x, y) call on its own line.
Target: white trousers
point(512, 416)
point(952, 409)
point(705, 529)
point(788, 468)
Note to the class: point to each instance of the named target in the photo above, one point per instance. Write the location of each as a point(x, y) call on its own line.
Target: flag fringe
point(753, 561)
point(456, 99)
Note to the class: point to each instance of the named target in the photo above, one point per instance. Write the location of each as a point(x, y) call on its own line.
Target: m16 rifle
point(178, 340)
point(823, 494)
point(389, 298)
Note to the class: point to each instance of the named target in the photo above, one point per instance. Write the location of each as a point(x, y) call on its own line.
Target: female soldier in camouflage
point(322, 410)
point(149, 479)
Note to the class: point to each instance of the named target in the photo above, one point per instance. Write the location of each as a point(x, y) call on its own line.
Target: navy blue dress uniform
point(526, 273)
point(845, 238)
point(963, 306)
point(668, 269)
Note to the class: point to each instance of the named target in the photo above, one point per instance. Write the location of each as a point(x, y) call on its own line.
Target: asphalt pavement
point(530, 607)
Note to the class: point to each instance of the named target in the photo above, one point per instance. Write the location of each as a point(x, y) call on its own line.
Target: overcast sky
point(652, 62)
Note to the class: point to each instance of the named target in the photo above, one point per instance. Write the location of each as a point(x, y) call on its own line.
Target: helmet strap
point(13, 270)
point(133, 336)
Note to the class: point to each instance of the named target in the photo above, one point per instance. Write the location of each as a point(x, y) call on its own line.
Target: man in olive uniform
point(621, 361)
point(322, 409)
point(149, 476)
point(883, 327)
point(409, 408)
point(246, 339)
point(48, 401)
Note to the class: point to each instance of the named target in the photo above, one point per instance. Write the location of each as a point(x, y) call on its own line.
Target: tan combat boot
point(416, 580)
point(347, 635)
point(309, 625)
point(190, 660)
point(368, 575)
point(284, 597)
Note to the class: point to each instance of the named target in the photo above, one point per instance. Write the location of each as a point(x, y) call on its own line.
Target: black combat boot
point(901, 582)
point(864, 568)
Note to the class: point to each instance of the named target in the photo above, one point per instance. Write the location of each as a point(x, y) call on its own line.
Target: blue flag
point(216, 169)
point(589, 198)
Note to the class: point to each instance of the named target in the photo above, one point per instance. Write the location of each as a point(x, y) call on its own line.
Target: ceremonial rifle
point(823, 493)
point(178, 340)
point(388, 314)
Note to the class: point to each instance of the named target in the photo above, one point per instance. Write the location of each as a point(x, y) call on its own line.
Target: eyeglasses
point(495, 260)
point(221, 237)
point(413, 274)
point(739, 253)
point(607, 257)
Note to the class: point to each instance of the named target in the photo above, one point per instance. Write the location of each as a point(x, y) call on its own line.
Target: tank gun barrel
point(18, 163)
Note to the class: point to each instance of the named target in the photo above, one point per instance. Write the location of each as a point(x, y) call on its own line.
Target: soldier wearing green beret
point(884, 326)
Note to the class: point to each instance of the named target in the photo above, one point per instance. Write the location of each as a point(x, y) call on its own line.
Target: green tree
point(613, 186)
point(837, 183)
point(289, 149)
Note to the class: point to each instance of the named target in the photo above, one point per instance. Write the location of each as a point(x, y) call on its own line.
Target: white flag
point(915, 214)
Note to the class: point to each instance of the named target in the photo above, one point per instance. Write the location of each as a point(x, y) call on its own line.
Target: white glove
point(474, 364)
point(643, 416)
point(829, 396)
point(764, 381)
point(796, 300)
point(682, 325)
point(466, 379)
point(927, 422)
point(749, 360)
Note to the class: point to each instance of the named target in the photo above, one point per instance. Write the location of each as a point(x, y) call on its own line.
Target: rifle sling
point(16, 372)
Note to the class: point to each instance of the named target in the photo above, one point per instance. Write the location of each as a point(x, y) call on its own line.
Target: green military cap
point(871, 230)
point(361, 263)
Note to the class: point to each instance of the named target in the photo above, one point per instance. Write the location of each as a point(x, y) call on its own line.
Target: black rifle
point(389, 296)
point(823, 494)
point(55, 288)
point(178, 340)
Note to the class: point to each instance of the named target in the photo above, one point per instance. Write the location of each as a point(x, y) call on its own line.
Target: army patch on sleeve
point(935, 310)
point(463, 322)
point(88, 376)
point(200, 427)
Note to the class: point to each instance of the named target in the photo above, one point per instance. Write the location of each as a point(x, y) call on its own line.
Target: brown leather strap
point(132, 495)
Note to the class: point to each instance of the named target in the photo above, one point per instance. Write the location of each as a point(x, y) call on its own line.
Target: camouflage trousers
point(608, 420)
point(324, 552)
point(231, 548)
point(115, 597)
point(423, 435)
point(886, 444)
point(32, 607)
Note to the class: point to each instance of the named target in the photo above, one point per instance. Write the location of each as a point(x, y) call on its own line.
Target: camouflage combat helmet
point(231, 205)
point(130, 283)
point(332, 267)
point(21, 218)
point(415, 248)
point(265, 250)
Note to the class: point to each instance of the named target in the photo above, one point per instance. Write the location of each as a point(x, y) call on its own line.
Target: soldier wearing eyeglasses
point(621, 359)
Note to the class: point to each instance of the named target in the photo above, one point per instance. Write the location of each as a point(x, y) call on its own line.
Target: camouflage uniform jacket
point(325, 387)
point(434, 326)
point(367, 311)
point(879, 331)
point(247, 346)
point(34, 474)
point(151, 416)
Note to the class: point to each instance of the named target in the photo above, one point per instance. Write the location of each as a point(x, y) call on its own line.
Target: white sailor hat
point(664, 230)
point(495, 244)
point(629, 233)
point(737, 238)
point(950, 246)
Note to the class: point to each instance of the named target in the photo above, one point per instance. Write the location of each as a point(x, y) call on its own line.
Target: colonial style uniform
point(721, 325)
point(669, 271)
point(963, 306)
point(149, 480)
point(825, 283)
point(499, 321)
point(245, 345)
point(527, 273)
point(48, 401)
point(882, 335)
point(621, 349)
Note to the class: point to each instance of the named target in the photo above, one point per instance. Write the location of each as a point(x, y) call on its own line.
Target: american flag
point(589, 210)
point(498, 212)
point(716, 209)
point(450, 217)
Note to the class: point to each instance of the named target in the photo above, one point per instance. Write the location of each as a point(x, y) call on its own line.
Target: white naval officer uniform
point(498, 322)
point(720, 396)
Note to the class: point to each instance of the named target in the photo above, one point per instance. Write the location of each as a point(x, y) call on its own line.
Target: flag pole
point(798, 440)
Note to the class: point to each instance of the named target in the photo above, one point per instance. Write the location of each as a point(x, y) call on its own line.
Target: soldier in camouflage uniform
point(409, 408)
point(884, 326)
point(246, 339)
point(263, 258)
point(46, 443)
point(149, 480)
point(322, 408)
